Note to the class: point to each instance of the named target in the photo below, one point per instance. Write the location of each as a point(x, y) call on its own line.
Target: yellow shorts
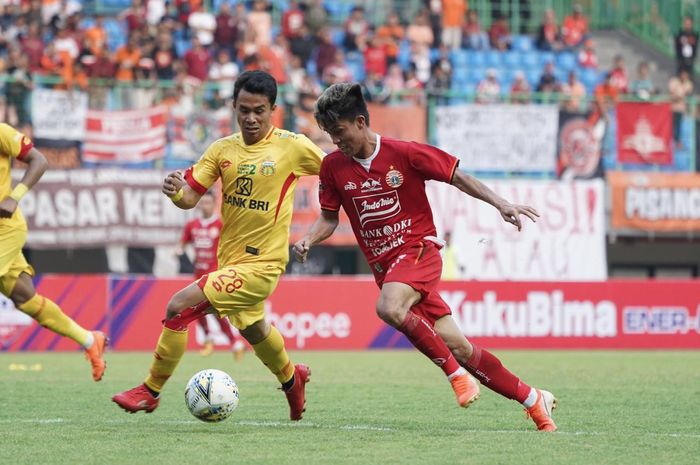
point(12, 261)
point(239, 291)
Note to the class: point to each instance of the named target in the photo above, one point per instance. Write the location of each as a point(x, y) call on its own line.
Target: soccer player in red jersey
point(380, 183)
point(203, 233)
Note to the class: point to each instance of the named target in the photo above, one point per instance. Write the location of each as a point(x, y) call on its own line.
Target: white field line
point(279, 424)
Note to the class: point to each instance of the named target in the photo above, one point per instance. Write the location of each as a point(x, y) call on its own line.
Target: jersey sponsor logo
point(244, 186)
point(350, 186)
point(268, 168)
point(370, 185)
point(251, 204)
point(246, 169)
point(394, 178)
point(377, 207)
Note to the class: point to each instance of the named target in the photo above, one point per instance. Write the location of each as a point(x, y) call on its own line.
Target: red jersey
point(203, 234)
point(387, 205)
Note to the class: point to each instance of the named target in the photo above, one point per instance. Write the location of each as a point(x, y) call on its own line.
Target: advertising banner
point(580, 143)
point(567, 243)
point(191, 132)
point(655, 201)
point(501, 138)
point(59, 114)
point(625, 314)
point(130, 136)
point(88, 208)
point(644, 133)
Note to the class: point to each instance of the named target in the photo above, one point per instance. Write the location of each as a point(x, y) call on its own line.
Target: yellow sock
point(49, 315)
point(171, 348)
point(273, 354)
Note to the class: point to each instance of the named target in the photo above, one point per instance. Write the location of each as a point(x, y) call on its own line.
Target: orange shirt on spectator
point(453, 12)
point(574, 29)
point(96, 39)
point(391, 36)
point(126, 60)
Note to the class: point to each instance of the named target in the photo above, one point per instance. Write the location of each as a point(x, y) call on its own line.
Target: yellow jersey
point(257, 183)
point(13, 144)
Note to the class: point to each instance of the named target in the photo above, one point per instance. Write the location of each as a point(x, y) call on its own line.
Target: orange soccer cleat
point(541, 412)
point(207, 349)
point(296, 395)
point(136, 399)
point(238, 349)
point(466, 389)
point(94, 355)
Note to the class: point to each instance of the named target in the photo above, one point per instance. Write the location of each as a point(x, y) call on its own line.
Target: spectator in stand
point(419, 33)
point(548, 36)
point(303, 46)
point(394, 83)
point(574, 31)
point(443, 60)
point(202, 24)
point(606, 96)
point(127, 58)
point(439, 83)
point(18, 90)
point(316, 16)
point(96, 36)
point(548, 83)
point(355, 27)
point(224, 72)
point(197, 61)
point(414, 87)
point(618, 75)
point(680, 87)
point(420, 62)
point(643, 87)
point(295, 79)
point(391, 34)
point(61, 12)
point(309, 91)
point(453, 12)
point(275, 58)
point(100, 70)
point(374, 90)
point(260, 21)
point(499, 33)
point(65, 42)
point(433, 10)
point(587, 57)
point(573, 93)
point(337, 71)
point(375, 57)
point(33, 46)
point(135, 17)
point(686, 46)
point(489, 90)
point(292, 20)
point(520, 91)
point(474, 37)
point(164, 57)
point(325, 50)
point(226, 33)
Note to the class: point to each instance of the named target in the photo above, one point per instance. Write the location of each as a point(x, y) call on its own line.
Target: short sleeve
point(327, 193)
point(431, 162)
point(203, 174)
point(309, 157)
point(13, 143)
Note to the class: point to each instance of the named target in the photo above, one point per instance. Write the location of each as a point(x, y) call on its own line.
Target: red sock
point(424, 338)
point(226, 329)
point(188, 315)
point(488, 369)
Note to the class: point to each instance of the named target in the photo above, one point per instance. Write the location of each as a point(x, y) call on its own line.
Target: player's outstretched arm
point(509, 212)
point(37, 166)
point(182, 195)
point(321, 230)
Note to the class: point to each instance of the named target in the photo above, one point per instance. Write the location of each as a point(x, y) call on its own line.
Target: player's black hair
point(256, 82)
point(342, 101)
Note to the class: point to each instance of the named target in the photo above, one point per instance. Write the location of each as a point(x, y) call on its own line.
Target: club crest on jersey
point(267, 168)
point(370, 185)
point(394, 178)
point(350, 186)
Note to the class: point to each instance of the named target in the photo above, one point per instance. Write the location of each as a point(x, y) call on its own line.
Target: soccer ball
point(211, 395)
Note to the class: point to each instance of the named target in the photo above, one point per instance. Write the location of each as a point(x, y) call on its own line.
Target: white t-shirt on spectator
point(67, 44)
point(204, 24)
point(226, 75)
point(155, 10)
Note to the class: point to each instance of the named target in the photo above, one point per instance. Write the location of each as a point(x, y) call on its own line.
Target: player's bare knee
point(390, 313)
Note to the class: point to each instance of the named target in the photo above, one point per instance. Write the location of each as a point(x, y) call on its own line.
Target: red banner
point(644, 133)
point(499, 315)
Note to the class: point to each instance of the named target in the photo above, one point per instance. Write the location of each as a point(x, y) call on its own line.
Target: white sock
point(531, 398)
point(460, 371)
point(89, 341)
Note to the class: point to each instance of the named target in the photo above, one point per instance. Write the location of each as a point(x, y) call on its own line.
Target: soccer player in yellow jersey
point(15, 272)
point(258, 168)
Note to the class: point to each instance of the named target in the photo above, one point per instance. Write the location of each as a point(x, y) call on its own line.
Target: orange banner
point(655, 201)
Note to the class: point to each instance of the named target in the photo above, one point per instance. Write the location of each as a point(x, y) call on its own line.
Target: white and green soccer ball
point(211, 395)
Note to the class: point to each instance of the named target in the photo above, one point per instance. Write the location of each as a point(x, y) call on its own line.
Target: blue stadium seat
point(493, 58)
point(116, 33)
point(460, 74)
point(547, 57)
point(531, 60)
point(311, 68)
point(566, 61)
point(533, 76)
point(523, 43)
point(459, 57)
point(589, 78)
point(338, 36)
point(182, 46)
point(477, 58)
point(512, 59)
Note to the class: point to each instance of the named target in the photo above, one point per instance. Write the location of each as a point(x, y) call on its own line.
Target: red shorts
point(420, 267)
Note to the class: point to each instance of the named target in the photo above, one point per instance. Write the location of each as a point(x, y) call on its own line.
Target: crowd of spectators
point(184, 45)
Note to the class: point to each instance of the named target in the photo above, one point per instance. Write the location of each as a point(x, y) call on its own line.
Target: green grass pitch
point(381, 407)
